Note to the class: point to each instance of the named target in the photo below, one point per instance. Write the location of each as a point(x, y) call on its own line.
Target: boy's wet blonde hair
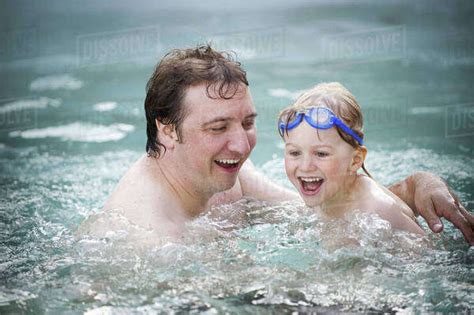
point(339, 100)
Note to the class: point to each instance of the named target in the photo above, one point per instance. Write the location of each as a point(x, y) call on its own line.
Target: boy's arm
point(429, 196)
point(255, 184)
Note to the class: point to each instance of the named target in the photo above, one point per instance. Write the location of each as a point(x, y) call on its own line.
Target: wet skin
point(163, 193)
point(323, 168)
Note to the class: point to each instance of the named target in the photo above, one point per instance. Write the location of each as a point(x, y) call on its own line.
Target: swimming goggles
point(320, 118)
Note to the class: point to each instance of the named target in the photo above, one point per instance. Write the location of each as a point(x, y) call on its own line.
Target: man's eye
point(217, 129)
point(248, 124)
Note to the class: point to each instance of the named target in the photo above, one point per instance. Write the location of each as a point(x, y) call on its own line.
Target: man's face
point(217, 137)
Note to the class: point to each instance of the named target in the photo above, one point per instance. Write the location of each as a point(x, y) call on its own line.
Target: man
point(201, 130)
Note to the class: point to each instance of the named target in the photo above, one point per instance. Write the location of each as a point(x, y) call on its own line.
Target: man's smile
point(230, 165)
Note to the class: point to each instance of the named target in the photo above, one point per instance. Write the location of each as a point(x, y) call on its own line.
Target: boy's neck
point(342, 201)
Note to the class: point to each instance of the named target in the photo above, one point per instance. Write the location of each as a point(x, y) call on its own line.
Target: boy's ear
point(166, 134)
point(358, 158)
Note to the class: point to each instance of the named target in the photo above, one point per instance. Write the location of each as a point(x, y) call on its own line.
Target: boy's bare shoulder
point(375, 196)
point(377, 199)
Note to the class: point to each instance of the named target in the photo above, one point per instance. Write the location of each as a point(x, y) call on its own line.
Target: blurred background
point(73, 77)
point(74, 72)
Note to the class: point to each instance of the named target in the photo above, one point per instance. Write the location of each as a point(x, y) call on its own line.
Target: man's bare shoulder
point(136, 200)
point(136, 183)
point(112, 223)
point(100, 225)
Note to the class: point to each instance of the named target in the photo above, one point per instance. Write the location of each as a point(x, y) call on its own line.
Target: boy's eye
point(293, 153)
point(321, 154)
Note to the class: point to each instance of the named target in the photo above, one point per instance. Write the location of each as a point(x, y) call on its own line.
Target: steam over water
point(72, 122)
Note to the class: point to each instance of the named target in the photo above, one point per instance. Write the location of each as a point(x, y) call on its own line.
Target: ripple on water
point(56, 82)
point(256, 257)
point(78, 131)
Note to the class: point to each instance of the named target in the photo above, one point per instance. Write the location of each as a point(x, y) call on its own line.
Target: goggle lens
point(317, 117)
point(321, 116)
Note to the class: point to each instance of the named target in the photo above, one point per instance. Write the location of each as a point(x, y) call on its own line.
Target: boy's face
point(318, 163)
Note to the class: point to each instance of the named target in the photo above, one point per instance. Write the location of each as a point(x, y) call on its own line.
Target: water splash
point(248, 257)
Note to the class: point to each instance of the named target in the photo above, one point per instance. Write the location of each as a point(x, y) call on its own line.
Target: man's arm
point(429, 196)
point(255, 184)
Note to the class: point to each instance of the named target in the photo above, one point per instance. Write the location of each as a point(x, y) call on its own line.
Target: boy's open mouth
point(310, 185)
point(228, 164)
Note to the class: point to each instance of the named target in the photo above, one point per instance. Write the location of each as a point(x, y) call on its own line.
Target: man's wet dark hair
point(178, 70)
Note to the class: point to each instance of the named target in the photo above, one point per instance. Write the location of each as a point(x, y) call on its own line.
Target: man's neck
point(190, 201)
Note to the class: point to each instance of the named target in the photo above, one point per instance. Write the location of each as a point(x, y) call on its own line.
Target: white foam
point(18, 105)
point(424, 110)
point(58, 63)
point(103, 310)
point(124, 127)
point(56, 82)
point(78, 131)
point(284, 93)
point(105, 106)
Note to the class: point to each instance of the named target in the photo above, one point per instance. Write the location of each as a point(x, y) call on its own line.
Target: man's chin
point(226, 184)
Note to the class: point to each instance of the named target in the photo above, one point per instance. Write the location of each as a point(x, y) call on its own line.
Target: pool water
point(72, 123)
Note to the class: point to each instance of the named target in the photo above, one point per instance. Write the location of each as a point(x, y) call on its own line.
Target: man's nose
point(239, 142)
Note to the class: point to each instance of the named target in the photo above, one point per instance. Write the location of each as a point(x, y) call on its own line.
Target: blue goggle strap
point(291, 124)
point(347, 130)
point(334, 121)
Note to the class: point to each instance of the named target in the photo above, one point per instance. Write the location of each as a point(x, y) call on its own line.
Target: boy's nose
point(307, 163)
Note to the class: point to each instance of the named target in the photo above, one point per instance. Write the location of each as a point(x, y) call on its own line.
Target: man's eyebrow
point(224, 119)
point(253, 115)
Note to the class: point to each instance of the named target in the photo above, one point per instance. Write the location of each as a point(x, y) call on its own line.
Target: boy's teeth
point(311, 179)
point(227, 161)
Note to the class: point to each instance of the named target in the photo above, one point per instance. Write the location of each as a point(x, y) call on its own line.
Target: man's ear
point(166, 134)
point(358, 159)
